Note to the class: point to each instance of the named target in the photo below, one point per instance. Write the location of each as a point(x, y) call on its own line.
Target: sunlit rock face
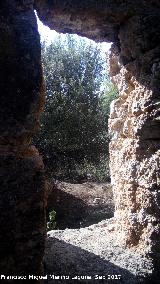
point(135, 134)
point(22, 183)
point(134, 28)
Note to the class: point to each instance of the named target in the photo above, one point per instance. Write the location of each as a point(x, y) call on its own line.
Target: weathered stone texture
point(97, 19)
point(22, 184)
point(135, 132)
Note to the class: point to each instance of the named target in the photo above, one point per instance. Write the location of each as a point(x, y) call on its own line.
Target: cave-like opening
point(74, 138)
point(133, 27)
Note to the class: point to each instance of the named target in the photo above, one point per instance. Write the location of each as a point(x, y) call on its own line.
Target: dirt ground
point(81, 205)
point(86, 242)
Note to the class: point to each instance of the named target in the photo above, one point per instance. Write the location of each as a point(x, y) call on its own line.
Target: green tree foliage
point(110, 93)
point(74, 123)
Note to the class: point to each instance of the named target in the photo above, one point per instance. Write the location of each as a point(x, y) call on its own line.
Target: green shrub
point(96, 172)
point(51, 225)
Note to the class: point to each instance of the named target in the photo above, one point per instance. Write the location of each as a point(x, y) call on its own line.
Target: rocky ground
point(90, 254)
point(94, 252)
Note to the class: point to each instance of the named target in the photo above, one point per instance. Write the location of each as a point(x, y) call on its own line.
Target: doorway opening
point(74, 138)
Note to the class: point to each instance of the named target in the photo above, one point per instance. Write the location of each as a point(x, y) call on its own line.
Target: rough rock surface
point(22, 183)
point(96, 19)
point(92, 251)
point(135, 131)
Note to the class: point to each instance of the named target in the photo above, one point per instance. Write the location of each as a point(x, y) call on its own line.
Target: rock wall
point(22, 183)
point(135, 135)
